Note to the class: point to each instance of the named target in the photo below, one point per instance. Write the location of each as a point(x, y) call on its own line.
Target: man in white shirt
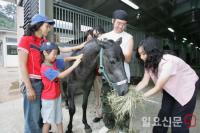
point(119, 21)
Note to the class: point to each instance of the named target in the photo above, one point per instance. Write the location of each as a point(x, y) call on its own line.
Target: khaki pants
point(97, 91)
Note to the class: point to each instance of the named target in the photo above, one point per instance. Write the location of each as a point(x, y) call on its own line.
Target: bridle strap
point(102, 71)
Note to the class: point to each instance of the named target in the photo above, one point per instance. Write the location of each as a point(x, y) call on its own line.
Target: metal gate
point(31, 7)
point(72, 22)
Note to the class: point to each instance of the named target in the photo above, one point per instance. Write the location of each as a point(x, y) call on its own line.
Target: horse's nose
point(122, 89)
point(125, 90)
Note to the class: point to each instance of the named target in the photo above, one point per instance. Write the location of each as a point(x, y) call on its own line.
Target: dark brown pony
point(112, 67)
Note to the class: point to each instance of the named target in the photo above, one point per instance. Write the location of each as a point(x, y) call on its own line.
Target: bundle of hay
point(126, 105)
point(123, 105)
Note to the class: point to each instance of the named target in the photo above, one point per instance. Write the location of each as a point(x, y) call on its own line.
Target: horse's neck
point(91, 52)
point(91, 49)
point(91, 57)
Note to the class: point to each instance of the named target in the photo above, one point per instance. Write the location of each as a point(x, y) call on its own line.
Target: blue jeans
point(32, 109)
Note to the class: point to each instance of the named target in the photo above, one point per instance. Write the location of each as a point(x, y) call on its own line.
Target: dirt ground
point(11, 105)
point(9, 87)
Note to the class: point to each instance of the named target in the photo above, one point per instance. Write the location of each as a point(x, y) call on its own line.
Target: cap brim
point(33, 23)
point(51, 22)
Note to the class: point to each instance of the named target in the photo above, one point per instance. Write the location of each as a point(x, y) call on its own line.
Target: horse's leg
point(86, 93)
point(72, 108)
point(64, 84)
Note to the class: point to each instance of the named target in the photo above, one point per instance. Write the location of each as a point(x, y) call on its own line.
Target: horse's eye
point(112, 61)
point(118, 59)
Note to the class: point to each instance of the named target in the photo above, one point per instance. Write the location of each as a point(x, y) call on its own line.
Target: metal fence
point(30, 9)
point(72, 22)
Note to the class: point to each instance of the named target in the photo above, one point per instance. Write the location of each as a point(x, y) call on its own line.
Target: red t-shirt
point(31, 45)
point(51, 89)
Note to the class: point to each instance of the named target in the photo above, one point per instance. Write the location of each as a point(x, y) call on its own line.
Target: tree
point(10, 10)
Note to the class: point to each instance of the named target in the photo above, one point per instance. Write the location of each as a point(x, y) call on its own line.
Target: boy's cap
point(120, 14)
point(48, 46)
point(39, 18)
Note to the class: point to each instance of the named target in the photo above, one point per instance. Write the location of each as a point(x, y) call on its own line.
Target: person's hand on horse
point(80, 46)
point(31, 94)
point(79, 57)
point(76, 63)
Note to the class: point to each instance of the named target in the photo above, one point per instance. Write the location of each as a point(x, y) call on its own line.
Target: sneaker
point(103, 130)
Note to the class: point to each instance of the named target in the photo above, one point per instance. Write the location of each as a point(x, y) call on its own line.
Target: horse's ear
point(101, 43)
point(118, 41)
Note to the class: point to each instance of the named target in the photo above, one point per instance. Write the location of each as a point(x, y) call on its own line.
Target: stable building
point(163, 18)
point(8, 48)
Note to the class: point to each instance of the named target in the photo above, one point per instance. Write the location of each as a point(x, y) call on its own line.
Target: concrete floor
point(11, 112)
point(8, 76)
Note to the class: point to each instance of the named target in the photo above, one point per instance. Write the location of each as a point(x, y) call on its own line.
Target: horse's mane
point(116, 48)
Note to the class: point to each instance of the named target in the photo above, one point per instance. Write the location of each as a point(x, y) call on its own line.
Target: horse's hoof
point(88, 130)
point(69, 131)
point(87, 126)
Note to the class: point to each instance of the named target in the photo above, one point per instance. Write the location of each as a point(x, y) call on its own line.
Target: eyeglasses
point(121, 23)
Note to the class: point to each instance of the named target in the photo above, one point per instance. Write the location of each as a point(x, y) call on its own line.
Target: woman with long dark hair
point(178, 82)
point(29, 65)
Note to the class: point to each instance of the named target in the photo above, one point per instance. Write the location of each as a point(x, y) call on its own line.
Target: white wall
point(9, 60)
point(20, 21)
point(1, 52)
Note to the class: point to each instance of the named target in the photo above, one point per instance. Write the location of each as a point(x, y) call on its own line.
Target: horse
point(111, 65)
